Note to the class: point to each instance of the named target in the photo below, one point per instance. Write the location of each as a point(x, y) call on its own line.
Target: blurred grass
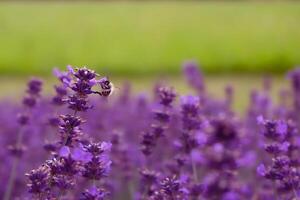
point(149, 37)
point(14, 88)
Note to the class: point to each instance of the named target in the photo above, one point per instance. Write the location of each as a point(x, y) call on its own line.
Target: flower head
point(34, 86)
point(190, 105)
point(94, 193)
point(166, 96)
point(39, 180)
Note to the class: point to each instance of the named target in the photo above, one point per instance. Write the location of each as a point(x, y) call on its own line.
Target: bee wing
point(112, 89)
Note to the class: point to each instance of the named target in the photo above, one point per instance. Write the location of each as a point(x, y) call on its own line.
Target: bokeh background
point(235, 42)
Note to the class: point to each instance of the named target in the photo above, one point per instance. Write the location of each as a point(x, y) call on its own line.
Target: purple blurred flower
point(194, 76)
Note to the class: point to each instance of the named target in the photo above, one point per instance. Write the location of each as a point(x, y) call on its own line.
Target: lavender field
point(149, 100)
point(90, 141)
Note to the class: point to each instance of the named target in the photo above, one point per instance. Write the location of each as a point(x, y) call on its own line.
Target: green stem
point(13, 172)
point(131, 190)
point(194, 169)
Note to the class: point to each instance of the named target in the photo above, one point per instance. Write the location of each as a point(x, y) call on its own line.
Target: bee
point(107, 87)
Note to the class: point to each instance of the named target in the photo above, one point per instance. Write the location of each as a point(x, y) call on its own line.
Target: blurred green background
point(146, 38)
point(236, 42)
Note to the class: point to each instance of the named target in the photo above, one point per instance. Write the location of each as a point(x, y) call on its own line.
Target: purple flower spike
point(74, 156)
point(194, 76)
point(156, 148)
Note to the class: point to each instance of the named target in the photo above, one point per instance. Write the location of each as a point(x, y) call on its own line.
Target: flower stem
point(13, 171)
point(194, 169)
point(295, 194)
point(131, 190)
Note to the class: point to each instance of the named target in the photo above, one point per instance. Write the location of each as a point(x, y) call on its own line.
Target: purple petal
point(285, 146)
point(93, 82)
point(70, 69)
point(201, 138)
point(64, 151)
point(281, 127)
point(57, 72)
point(261, 170)
point(79, 154)
point(248, 160)
point(106, 146)
point(260, 119)
point(218, 148)
point(197, 156)
point(93, 190)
